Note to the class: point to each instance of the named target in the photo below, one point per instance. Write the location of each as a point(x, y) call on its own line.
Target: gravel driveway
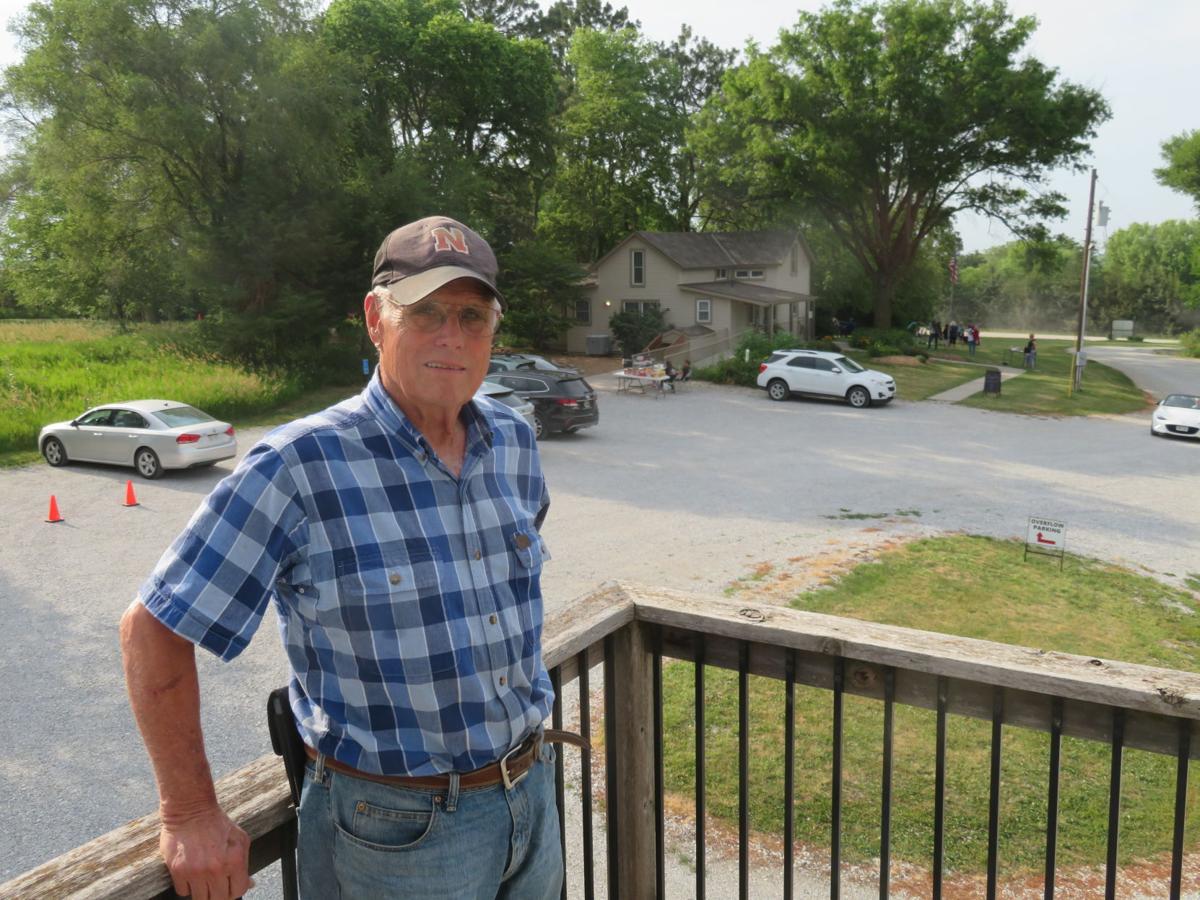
point(689, 491)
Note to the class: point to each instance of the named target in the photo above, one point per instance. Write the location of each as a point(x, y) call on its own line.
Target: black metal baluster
point(610, 766)
point(835, 835)
point(885, 818)
point(993, 853)
point(1181, 786)
point(660, 866)
point(939, 788)
point(700, 776)
point(744, 771)
point(1056, 726)
point(1114, 803)
point(789, 773)
point(585, 729)
point(559, 779)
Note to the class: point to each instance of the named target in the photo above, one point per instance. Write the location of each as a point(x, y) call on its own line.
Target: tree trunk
point(885, 293)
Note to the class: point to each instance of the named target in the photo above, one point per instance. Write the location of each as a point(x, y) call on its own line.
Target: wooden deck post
point(633, 716)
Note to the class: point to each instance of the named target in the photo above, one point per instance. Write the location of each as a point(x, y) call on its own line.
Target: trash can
point(599, 344)
point(991, 381)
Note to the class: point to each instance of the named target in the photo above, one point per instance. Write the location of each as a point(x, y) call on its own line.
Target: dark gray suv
point(562, 400)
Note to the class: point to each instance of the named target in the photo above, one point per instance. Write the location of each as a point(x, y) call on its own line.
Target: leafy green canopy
point(891, 117)
point(177, 160)
point(1182, 170)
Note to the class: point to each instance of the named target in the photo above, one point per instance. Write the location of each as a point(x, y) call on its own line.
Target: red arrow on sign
point(1045, 540)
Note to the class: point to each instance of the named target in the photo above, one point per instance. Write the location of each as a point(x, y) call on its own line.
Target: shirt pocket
point(530, 550)
point(387, 612)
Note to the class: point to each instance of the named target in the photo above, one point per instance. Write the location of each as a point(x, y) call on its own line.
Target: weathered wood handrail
point(124, 863)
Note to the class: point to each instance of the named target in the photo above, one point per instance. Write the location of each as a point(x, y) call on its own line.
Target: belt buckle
point(510, 783)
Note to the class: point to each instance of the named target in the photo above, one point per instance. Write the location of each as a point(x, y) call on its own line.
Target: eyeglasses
point(429, 316)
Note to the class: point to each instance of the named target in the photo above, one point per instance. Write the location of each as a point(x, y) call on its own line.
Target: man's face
point(432, 372)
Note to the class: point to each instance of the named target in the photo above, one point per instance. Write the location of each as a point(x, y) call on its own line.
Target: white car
point(509, 397)
point(150, 435)
point(819, 373)
point(1176, 414)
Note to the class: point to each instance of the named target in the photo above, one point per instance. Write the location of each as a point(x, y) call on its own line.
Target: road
point(1153, 369)
point(690, 491)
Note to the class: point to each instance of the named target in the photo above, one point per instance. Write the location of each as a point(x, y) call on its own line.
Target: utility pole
point(1077, 369)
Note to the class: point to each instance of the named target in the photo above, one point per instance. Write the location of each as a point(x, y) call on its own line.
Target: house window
point(637, 267)
point(638, 306)
point(703, 311)
point(748, 273)
point(722, 274)
point(795, 259)
point(583, 311)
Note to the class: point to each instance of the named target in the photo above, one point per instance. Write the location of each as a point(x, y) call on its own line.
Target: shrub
point(877, 349)
point(736, 369)
point(1189, 343)
point(1135, 338)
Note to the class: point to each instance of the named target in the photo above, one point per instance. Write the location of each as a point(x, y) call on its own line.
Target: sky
point(1140, 55)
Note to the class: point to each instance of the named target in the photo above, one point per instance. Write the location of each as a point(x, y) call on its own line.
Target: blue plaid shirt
point(409, 601)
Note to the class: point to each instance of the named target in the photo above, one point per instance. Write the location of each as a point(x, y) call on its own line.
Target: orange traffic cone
point(130, 496)
point(53, 516)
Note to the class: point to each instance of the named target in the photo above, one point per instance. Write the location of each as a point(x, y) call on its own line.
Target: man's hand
point(207, 854)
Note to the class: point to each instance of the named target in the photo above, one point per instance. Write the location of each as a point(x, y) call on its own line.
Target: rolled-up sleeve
point(212, 585)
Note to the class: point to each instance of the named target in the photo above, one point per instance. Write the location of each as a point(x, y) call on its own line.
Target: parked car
point(506, 362)
point(150, 435)
point(820, 373)
point(562, 401)
point(1176, 414)
point(509, 397)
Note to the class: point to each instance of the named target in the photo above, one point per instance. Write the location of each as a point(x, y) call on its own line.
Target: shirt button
point(478, 555)
point(395, 578)
point(503, 681)
point(300, 590)
point(492, 618)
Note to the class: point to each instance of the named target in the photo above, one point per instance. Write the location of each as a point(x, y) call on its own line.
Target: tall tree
point(1182, 170)
point(890, 117)
point(1151, 275)
point(456, 116)
point(178, 152)
point(616, 137)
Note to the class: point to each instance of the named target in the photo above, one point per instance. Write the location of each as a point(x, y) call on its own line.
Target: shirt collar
point(380, 402)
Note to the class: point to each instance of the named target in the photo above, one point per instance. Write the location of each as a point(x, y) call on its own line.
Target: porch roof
point(745, 293)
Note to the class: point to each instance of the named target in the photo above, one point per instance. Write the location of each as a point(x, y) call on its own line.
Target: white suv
point(823, 374)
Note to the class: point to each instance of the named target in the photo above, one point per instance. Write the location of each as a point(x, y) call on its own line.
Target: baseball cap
point(420, 257)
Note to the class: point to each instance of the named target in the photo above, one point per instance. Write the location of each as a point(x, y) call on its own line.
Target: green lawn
point(54, 370)
point(923, 381)
point(976, 587)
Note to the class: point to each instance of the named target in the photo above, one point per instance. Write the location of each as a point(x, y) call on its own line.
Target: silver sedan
point(150, 435)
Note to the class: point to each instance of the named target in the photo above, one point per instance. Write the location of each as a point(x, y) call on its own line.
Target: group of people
point(674, 374)
point(952, 333)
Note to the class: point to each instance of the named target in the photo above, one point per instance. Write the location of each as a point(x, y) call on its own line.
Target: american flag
point(954, 270)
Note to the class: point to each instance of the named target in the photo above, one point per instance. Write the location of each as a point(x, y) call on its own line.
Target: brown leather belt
point(508, 770)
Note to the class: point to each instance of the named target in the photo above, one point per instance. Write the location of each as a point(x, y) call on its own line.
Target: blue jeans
point(361, 840)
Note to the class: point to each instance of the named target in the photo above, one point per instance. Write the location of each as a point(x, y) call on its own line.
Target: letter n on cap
point(449, 238)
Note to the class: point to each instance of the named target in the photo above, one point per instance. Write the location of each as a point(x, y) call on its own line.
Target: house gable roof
point(718, 249)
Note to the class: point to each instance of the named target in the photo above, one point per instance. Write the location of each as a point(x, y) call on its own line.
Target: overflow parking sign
point(1046, 536)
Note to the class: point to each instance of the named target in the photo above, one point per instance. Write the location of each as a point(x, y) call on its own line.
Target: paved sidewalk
point(963, 391)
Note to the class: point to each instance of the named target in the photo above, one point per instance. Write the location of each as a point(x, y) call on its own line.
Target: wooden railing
point(631, 630)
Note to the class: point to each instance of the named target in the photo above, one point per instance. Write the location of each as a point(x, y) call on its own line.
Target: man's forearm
point(164, 691)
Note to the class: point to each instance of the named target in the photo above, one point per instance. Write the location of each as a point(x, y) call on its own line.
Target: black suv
point(562, 400)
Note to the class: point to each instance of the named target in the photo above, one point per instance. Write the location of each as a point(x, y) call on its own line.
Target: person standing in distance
point(397, 536)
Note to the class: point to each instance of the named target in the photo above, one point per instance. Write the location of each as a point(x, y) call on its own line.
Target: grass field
point(923, 380)
point(54, 370)
point(976, 587)
point(1045, 391)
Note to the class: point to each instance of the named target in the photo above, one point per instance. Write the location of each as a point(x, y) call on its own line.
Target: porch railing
point(630, 631)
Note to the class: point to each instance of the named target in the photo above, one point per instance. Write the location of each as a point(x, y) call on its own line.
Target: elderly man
point(397, 535)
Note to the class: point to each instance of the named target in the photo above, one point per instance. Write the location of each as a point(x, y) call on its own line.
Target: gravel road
point(690, 491)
